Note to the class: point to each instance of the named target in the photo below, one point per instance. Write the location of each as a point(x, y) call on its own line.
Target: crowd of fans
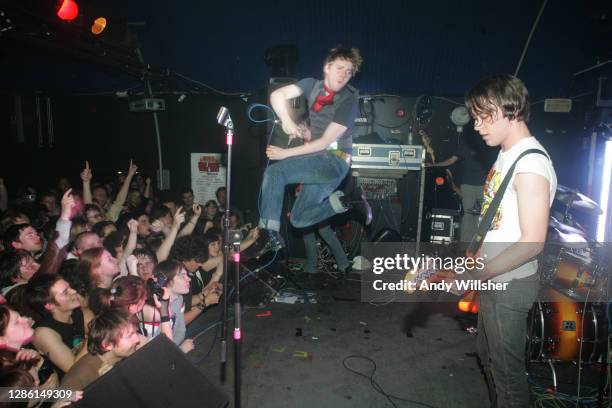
point(86, 279)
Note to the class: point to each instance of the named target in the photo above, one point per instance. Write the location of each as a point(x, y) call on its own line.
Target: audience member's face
point(167, 220)
point(191, 265)
point(100, 195)
point(137, 307)
point(213, 248)
point(93, 217)
point(108, 265)
point(28, 267)
point(90, 241)
point(233, 221)
point(127, 342)
point(187, 199)
point(18, 331)
point(221, 197)
point(134, 199)
point(28, 240)
point(211, 210)
point(180, 283)
point(144, 225)
point(145, 267)
point(65, 298)
point(50, 203)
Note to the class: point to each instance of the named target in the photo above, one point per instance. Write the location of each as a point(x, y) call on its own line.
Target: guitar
point(454, 283)
point(426, 139)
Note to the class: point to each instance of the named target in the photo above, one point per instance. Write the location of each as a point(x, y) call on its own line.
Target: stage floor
point(295, 357)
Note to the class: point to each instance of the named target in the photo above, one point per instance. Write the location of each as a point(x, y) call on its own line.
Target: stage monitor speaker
point(158, 375)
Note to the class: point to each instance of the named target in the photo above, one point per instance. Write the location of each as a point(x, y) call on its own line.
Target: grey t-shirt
point(178, 320)
point(343, 111)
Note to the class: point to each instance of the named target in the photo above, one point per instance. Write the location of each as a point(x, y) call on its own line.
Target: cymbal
point(574, 199)
point(564, 228)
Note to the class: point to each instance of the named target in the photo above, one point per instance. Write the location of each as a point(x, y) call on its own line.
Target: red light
point(439, 181)
point(400, 113)
point(68, 11)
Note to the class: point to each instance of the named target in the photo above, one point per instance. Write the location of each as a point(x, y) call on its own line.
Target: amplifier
point(376, 188)
point(398, 159)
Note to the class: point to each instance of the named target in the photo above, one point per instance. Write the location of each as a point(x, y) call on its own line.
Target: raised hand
point(197, 210)
point(133, 226)
point(68, 204)
point(86, 173)
point(157, 226)
point(133, 169)
point(179, 217)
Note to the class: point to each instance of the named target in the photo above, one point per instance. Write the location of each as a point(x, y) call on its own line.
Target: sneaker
point(274, 242)
point(356, 200)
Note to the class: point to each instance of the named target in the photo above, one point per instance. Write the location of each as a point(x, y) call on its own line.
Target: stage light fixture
point(604, 196)
point(68, 10)
point(98, 25)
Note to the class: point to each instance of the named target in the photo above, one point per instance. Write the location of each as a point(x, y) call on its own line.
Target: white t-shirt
point(505, 228)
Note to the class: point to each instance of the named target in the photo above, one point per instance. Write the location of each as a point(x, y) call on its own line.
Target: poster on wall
point(207, 175)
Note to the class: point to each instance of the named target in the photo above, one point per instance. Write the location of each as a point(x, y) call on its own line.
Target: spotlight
point(68, 10)
point(98, 26)
point(182, 98)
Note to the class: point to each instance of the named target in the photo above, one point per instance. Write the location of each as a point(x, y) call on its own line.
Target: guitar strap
point(485, 222)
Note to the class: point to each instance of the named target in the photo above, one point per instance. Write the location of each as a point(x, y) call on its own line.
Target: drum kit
point(568, 324)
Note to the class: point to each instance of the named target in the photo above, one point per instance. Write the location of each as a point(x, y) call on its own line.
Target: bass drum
point(565, 331)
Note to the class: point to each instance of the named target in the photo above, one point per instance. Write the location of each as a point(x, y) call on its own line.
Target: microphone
point(224, 118)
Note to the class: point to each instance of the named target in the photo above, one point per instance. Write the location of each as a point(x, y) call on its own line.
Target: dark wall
point(103, 131)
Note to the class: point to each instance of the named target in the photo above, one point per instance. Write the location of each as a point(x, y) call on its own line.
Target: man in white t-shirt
point(500, 108)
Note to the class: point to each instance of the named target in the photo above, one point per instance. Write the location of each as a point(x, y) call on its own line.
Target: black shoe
point(356, 200)
point(344, 274)
point(274, 242)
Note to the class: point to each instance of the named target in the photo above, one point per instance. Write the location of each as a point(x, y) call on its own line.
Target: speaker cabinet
point(158, 375)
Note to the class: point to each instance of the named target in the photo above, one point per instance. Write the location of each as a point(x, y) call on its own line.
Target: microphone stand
point(237, 323)
point(224, 119)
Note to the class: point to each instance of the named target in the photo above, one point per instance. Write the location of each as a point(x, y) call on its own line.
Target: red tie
point(323, 100)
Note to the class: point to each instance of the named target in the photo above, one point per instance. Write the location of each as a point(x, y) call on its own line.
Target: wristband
point(164, 319)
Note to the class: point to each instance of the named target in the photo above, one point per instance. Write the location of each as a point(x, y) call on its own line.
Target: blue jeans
point(319, 174)
point(329, 236)
point(502, 331)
